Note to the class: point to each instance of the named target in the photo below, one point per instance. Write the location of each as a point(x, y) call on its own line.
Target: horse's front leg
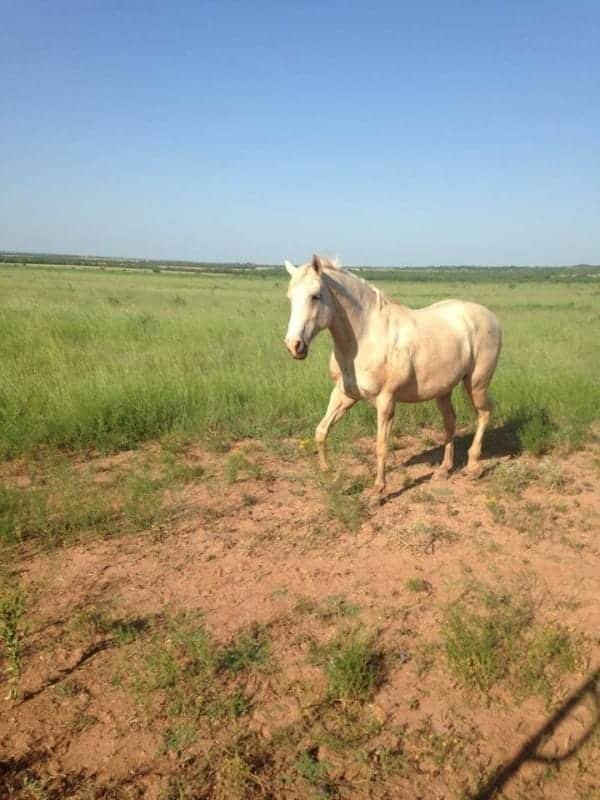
point(339, 403)
point(385, 414)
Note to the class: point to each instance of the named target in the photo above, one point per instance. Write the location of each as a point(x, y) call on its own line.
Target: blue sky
point(388, 133)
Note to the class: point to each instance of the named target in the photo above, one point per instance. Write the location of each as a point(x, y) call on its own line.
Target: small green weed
point(179, 472)
point(424, 536)
point(196, 681)
point(142, 500)
point(249, 649)
point(552, 476)
point(550, 654)
point(179, 737)
point(513, 476)
point(35, 788)
point(442, 749)
point(481, 644)
point(498, 511)
point(346, 726)
point(98, 622)
point(238, 467)
point(344, 501)
point(331, 608)
point(82, 722)
point(500, 641)
point(389, 761)
point(537, 432)
point(238, 770)
point(336, 607)
point(90, 621)
point(424, 657)
point(354, 667)
point(67, 689)
point(12, 609)
point(314, 771)
point(417, 585)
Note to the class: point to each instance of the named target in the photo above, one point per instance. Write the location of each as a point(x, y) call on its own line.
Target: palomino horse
point(384, 352)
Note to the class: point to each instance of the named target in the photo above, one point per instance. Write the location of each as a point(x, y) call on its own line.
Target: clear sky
point(386, 132)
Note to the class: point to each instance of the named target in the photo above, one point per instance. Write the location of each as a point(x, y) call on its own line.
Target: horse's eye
point(316, 297)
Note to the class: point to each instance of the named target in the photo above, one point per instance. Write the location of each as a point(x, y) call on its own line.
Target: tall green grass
point(108, 359)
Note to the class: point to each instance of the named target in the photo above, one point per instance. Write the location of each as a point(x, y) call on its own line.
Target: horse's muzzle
point(297, 348)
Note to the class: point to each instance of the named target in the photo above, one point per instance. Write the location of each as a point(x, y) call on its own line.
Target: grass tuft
point(344, 501)
point(12, 609)
point(513, 477)
point(499, 640)
point(480, 645)
point(550, 654)
point(249, 649)
point(418, 585)
point(537, 431)
point(315, 771)
point(239, 467)
point(354, 667)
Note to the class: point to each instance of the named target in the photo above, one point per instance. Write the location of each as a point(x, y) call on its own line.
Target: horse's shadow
point(502, 441)
point(498, 442)
point(412, 485)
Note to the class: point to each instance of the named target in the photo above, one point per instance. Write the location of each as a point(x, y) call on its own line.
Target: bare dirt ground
point(276, 549)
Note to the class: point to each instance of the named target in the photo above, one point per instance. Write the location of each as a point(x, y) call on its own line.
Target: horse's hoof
point(441, 474)
point(375, 501)
point(474, 473)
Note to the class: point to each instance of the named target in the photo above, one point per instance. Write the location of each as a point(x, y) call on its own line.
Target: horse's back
point(478, 320)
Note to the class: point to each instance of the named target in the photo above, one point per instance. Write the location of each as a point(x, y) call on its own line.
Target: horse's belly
point(434, 369)
point(419, 391)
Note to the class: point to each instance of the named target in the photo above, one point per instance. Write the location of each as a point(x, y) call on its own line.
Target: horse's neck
point(356, 302)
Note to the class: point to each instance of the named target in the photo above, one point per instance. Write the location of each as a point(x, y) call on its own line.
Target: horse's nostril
point(297, 347)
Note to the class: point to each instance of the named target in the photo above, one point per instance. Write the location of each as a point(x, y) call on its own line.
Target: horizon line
point(251, 264)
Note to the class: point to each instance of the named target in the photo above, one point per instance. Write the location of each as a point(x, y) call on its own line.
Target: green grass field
point(94, 359)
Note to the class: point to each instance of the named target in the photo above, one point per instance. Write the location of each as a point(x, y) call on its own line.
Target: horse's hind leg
point(339, 403)
point(483, 407)
point(447, 411)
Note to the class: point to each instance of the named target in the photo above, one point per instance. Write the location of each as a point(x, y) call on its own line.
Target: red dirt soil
point(258, 551)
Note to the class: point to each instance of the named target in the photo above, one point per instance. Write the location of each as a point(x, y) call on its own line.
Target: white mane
point(334, 264)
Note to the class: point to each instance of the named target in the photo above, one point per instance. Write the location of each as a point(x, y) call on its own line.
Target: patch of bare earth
point(277, 549)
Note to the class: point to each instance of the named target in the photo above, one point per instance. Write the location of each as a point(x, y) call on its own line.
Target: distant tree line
point(62, 259)
point(468, 274)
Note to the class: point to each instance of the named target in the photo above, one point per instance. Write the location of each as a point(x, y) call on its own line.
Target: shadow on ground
point(502, 441)
point(134, 626)
point(590, 688)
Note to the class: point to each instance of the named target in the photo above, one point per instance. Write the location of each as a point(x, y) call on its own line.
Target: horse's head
point(310, 300)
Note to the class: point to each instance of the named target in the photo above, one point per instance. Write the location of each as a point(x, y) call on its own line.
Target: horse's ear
point(317, 264)
point(290, 267)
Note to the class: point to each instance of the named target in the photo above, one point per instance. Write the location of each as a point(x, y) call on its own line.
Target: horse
point(385, 352)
